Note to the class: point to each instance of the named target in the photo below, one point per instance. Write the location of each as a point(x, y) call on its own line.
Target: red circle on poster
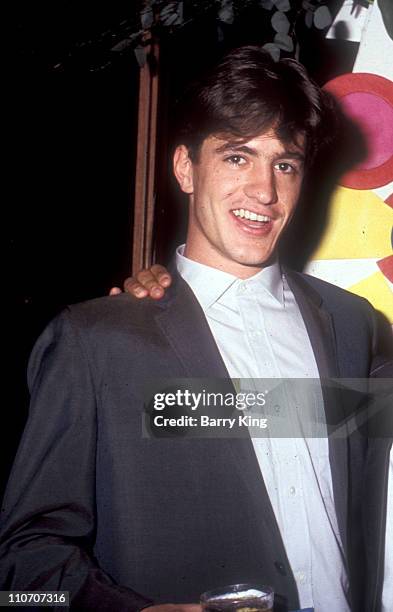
point(368, 100)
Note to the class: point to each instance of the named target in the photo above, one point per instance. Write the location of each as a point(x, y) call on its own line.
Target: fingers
point(185, 608)
point(149, 282)
point(131, 285)
point(115, 291)
point(174, 608)
point(162, 275)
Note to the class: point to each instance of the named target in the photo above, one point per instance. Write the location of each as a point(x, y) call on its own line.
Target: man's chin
point(258, 261)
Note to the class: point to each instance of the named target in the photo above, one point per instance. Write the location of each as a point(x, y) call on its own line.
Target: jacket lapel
point(318, 323)
point(183, 323)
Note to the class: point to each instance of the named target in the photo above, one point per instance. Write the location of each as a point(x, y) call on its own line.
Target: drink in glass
point(238, 598)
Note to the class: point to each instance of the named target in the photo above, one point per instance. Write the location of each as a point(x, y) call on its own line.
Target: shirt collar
point(209, 284)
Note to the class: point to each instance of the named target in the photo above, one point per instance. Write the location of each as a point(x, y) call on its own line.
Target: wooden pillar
point(142, 245)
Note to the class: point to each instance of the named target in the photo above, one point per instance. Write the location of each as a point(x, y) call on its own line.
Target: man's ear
point(182, 167)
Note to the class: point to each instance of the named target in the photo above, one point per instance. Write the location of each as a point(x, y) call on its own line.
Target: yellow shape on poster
point(375, 289)
point(359, 226)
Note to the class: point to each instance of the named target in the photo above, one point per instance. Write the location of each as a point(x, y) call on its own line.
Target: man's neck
point(234, 268)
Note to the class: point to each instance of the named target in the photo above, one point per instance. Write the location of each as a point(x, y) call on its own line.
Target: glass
point(238, 598)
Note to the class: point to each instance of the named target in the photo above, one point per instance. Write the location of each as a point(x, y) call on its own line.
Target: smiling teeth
point(247, 214)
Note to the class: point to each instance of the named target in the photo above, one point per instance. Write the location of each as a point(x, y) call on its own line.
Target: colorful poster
point(355, 251)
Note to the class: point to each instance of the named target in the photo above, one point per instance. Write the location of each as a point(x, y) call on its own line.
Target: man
point(123, 521)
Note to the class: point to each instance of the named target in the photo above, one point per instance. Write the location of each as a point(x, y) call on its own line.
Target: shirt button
point(292, 490)
point(301, 577)
point(277, 408)
point(242, 288)
point(280, 567)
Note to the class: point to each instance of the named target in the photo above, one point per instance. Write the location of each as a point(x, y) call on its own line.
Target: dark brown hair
point(247, 93)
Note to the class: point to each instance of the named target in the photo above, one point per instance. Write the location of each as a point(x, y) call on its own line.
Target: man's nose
point(261, 186)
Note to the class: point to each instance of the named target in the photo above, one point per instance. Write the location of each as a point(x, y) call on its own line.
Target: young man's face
point(242, 197)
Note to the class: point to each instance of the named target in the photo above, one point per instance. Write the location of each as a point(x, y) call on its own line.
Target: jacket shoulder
point(113, 312)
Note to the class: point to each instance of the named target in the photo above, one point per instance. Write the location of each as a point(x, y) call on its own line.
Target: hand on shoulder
point(150, 282)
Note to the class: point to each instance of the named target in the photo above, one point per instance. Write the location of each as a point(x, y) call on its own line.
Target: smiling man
point(125, 522)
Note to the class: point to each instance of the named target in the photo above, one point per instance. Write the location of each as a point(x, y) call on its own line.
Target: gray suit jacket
point(119, 520)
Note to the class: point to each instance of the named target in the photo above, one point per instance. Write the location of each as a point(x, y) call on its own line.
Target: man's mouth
point(252, 223)
point(244, 213)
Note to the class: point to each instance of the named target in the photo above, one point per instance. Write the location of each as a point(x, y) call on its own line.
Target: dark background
point(71, 158)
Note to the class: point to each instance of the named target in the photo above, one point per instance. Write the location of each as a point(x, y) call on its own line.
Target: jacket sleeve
point(48, 514)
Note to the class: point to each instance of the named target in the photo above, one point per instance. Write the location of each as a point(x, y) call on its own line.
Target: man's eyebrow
point(237, 148)
point(241, 148)
point(293, 154)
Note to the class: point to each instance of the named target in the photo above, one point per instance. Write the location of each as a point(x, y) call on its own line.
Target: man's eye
point(286, 168)
point(235, 160)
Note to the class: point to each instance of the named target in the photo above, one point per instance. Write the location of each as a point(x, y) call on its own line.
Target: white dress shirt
point(260, 334)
